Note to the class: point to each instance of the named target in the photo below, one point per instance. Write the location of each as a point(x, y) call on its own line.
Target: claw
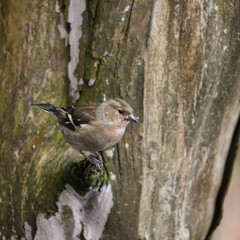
point(97, 161)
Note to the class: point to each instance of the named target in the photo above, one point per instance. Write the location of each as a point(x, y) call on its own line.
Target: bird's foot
point(96, 161)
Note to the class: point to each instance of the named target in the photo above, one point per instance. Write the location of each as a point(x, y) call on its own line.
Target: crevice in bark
point(119, 161)
point(121, 49)
point(81, 234)
point(225, 181)
point(82, 175)
point(129, 18)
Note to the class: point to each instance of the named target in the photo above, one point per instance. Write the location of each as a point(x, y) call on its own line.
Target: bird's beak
point(131, 117)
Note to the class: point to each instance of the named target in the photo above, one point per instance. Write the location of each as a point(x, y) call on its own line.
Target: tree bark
point(192, 70)
point(176, 63)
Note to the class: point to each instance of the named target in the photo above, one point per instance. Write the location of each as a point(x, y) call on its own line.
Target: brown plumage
point(93, 126)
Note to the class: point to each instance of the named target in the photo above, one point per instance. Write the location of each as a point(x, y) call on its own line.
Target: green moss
point(16, 117)
point(53, 80)
point(82, 175)
point(3, 103)
point(93, 7)
point(6, 207)
point(51, 176)
point(58, 137)
point(90, 69)
point(224, 6)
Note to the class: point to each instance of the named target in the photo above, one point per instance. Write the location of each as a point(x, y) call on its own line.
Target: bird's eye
point(120, 111)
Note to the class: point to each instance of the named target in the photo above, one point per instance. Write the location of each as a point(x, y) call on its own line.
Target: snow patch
point(61, 26)
point(75, 19)
point(76, 9)
point(126, 9)
point(91, 82)
point(110, 152)
point(28, 231)
point(104, 97)
point(89, 214)
point(112, 176)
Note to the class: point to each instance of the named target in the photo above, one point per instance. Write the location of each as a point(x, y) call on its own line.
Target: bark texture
point(192, 85)
point(176, 63)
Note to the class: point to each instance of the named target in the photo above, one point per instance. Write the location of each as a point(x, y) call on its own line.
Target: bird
point(92, 127)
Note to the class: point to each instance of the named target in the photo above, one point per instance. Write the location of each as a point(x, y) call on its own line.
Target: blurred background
point(229, 227)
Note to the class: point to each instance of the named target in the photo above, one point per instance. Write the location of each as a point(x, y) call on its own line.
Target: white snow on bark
point(75, 19)
point(89, 215)
point(76, 9)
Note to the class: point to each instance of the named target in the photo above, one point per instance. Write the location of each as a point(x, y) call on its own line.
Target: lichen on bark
point(174, 62)
point(184, 128)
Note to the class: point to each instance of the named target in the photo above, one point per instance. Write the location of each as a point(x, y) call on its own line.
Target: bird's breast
point(94, 137)
point(112, 136)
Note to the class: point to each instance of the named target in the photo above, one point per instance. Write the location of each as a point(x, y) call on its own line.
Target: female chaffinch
point(92, 127)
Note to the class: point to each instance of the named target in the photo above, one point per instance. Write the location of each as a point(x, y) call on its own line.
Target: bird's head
point(117, 112)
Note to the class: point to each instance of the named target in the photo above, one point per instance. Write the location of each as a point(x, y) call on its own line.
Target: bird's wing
point(73, 117)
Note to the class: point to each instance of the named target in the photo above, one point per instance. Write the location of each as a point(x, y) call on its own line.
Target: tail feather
point(46, 107)
point(60, 113)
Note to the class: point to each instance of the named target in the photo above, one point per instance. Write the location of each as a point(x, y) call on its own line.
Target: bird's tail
point(60, 113)
point(47, 108)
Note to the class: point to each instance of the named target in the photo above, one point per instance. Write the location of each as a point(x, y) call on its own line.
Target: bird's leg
point(84, 155)
point(99, 158)
point(95, 161)
point(98, 161)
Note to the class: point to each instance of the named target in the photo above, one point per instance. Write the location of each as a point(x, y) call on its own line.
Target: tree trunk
point(176, 63)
